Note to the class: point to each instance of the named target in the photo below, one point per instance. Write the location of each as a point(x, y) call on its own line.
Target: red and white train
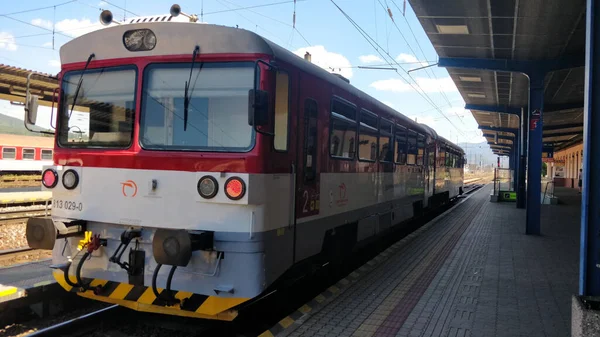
point(218, 161)
point(24, 154)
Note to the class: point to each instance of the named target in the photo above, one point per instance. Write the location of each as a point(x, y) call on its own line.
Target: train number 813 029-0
point(67, 205)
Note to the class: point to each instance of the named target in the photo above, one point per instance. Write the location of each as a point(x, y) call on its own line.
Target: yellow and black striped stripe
point(142, 298)
point(309, 307)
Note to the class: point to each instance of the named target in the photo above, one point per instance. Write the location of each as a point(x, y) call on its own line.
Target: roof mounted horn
point(106, 18)
point(176, 10)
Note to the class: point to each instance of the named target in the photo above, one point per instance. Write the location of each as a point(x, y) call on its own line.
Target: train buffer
point(469, 272)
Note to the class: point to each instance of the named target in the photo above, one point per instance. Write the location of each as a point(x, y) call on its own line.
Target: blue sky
point(321, 29)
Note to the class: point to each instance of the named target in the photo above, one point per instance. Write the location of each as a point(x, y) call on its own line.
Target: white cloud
point(427, 85)
point(327, 60)
point(370, 58)
point(7, 41)
point(54, 63)
point(76, 27)
point(47, 44)
point(102, 3)
point(408, 58)
point(42, 23)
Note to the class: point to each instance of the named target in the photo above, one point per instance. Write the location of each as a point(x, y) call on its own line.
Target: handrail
point(546, 190)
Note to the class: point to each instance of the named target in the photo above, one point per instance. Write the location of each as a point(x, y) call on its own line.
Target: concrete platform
point(17, 281)
point(470, 272)
point(23, 197)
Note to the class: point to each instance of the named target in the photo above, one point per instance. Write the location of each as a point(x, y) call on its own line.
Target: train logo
point(131, 186)
point(343, 200)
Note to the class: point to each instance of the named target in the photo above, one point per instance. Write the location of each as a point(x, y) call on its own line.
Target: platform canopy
point(482, 33)
point(13, 83)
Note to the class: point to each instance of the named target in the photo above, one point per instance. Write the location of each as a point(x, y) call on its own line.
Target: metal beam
point(562, 126)
point(564, 106)
point(562, 134)
point(510, 146)
point(526, 67)
point(499, 146)
point(511, 138)
point(494, 108)
point(589, 273)
point(493, 128)
point(486, 134)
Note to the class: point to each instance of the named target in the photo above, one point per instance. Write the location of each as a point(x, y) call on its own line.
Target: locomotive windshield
point(217, 112)
point(103, 114)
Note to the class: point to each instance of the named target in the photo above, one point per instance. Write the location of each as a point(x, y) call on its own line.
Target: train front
point(157, 192)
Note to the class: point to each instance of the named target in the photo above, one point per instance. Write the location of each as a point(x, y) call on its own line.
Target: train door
point(431, 167)
point(307, 196)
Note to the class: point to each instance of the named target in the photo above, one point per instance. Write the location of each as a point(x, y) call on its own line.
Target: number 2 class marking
point(305, 196)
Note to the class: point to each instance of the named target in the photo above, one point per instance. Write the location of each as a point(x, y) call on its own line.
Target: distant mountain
point(14, 126)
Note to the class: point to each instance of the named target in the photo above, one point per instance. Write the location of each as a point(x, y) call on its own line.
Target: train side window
point(28, 153)
point(310, 139)
point(9, 153)
point(412, 148)
point(46, 154)
point(282, 90)
point(448, 162)
point(420, 149)
point(400, 141)
point(442, 157)
point(342, 132)
point(386, 132)
point(368, 135)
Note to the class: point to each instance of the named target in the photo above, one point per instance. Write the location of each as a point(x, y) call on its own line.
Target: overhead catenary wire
point(388, 10)
point(375, 46)
point(39, 8)
point(415, 37)
point(121, 8)
point(31, 24)
point(252, 22)
point(249, 9)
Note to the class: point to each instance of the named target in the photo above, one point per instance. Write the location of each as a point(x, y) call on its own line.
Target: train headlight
point(208, 187)
point(235, 188)
point(70, 179)
point(49, 178)
point(139, 40)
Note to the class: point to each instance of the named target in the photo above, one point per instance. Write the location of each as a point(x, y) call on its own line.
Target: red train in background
point(24, 154)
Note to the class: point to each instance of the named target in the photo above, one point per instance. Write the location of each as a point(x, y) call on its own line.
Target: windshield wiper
point(186, 96)
point(92, 55)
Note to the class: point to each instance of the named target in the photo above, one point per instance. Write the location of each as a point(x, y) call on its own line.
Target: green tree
point(544, 169)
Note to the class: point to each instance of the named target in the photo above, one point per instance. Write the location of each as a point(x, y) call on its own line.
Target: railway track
point(22, 214)
point(14, 251)
point(81, 325)
point(115, 320)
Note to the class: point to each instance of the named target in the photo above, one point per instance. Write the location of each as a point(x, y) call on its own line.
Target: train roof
point(24, 141)
point(179, 38)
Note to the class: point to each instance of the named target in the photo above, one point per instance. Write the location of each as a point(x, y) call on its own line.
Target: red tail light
point(235, 188)
point(49, 178)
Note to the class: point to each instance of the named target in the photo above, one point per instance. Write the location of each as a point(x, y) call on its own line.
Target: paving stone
point(490, 279)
